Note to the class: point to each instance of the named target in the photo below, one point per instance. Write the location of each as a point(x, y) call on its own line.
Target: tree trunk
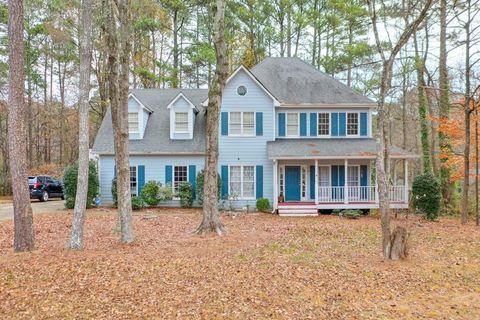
point(79, 211)
point(17, 133)
point(175, 50)
point(211, 220)
point(118, 62)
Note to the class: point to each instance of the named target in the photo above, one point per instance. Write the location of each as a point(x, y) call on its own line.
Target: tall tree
point(211, 220)
point(118, 34)
point(17, 137)
point(390, 248)
point(76, 240)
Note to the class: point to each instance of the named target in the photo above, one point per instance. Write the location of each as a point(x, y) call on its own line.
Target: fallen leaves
point(265, 267)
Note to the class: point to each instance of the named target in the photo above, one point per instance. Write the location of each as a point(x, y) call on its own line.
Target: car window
point(50, 180)
point(32, 179)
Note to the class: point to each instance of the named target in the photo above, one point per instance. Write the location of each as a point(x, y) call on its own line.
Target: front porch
point(302, 187)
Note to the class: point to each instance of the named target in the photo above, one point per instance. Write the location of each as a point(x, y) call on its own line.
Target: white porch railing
point(362, 194)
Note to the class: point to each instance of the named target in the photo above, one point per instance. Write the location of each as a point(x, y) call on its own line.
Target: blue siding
point(155, 169)
point(224, 123)
point(334, 124)
point(224, 175)
point(259, 182)
point(313, 124)
point(342, 123)
point(248, 150)
point(281, 124)
point(303, 124)
point(141, 178)
point(259, 123)
point(363, 124)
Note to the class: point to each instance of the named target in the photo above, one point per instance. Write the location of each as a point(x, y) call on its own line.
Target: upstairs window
point(181, 122)
point(324, 124)
point(352, 124)
point(133, 122)
point(242, 124)
point(292, 124)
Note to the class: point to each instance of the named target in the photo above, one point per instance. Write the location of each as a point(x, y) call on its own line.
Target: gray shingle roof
point(293, 81)
point(320, 148)
point(157, 133)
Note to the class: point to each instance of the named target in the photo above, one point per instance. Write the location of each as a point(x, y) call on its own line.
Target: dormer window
point(181, 122)
point(133, 126)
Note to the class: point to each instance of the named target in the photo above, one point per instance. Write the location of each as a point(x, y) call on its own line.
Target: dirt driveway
point(6, 209)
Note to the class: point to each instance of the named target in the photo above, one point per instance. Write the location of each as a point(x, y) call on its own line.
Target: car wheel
point(44, 196)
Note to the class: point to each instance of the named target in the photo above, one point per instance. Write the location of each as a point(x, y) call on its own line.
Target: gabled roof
point(293, 81)
point(156, 139)
point(181, 95)
point(330, 148)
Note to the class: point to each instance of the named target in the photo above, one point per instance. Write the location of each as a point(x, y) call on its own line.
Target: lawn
point(265, 267)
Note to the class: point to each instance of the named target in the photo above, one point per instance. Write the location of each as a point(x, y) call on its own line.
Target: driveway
point(54, 205)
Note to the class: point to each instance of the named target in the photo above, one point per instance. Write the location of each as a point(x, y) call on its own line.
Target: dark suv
point(44, 188)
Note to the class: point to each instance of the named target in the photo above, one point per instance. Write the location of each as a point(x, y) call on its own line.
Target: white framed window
point(281, 181)
point(304, 182)
point(133, 181)
point(181, 122)
point(293, 125)
point(323, 124)
point(133, 125)
point(352, 124)
point(241, 124)
point(180, 174)
point(324, 176)
point(353, 176)
point(242, 182)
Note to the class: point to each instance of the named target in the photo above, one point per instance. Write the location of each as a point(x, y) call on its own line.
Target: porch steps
point(300, 209)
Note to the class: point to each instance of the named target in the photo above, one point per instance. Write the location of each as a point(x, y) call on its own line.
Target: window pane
point(248, 181)
point(248, 123)
point(352, 123)
point(133, 121)
point(353, 176)
point(235, 181)
point(181, 121)
point(235, 123)
point(133, 181)
point(292, 124)
point(179, 175)
point(323, 124)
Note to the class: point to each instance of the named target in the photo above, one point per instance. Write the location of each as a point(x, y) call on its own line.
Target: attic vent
point(242, 90)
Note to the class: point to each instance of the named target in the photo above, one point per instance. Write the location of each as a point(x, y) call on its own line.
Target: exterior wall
point(248, 150)
point(181, 105)
point(316, 110)
point(154, 169)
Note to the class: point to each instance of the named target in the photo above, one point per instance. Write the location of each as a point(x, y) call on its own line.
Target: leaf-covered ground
point(265, 267)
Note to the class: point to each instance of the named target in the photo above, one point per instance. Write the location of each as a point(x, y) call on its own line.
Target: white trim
point(342, 157)
point(329, 124)
point(276, 103)
point(173, 178)
point(175, 122)
point(358, 124)
point(241, 180)
point(131, 95)
point(286, 125)
point(178, 96)
point(136, 180)
point(241, 124)
point(328, 105)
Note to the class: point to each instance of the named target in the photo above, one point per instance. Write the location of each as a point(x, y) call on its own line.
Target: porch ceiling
point(354, 148)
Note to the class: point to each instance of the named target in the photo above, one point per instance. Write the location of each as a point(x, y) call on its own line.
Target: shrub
point(114, 190)
point(70, 184)
point(185, 192)
point(348, 213)
point(137, 203)
point(165, 192)
point(426, 195)
point(199, 186)
point(151, 193)
point(263, 204)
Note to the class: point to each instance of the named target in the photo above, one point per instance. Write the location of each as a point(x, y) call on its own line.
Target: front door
point(292, 183)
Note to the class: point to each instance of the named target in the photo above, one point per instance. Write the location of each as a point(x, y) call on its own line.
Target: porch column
point(376, 184)
point(405, 163)
point(346, 182)
point(316, 181)
point(275, 184)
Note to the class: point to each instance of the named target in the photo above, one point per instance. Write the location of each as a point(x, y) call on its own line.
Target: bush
point(199, 186)
point(114, 190)
point(263, 204)
point(137, 203)
point(70, 184)
point(185, 192)
point(151, 193)
point(426, 195)
point(348, 213)
point(165, 192)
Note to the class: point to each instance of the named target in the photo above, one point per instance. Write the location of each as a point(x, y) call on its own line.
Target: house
point(288, 132)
